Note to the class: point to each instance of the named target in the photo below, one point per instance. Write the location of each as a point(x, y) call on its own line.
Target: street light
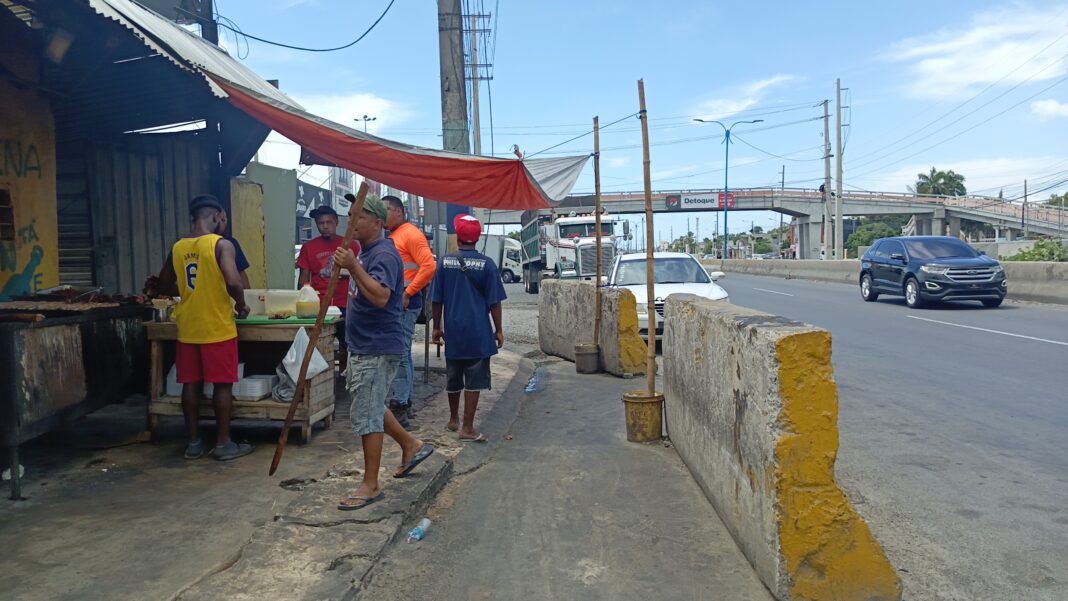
point(726, 167)
point(365, 119)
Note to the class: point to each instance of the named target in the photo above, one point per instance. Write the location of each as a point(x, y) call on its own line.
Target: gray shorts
point(467, 374)
point(368, 382)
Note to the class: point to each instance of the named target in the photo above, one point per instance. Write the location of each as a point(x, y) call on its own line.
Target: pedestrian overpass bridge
point(932, 215)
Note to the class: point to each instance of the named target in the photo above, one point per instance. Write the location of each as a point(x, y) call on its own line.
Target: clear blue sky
point(964, 83)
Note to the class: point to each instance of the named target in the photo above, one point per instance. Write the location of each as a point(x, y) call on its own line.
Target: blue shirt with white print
point(467, 298)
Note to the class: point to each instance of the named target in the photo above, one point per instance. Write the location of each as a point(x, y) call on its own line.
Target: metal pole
point(650, 293)
point(783, 190)
point(476, 130)
point(726, 192)
point(1023, 212)
point(838, 233)
point(597, 220)
point(826, 175)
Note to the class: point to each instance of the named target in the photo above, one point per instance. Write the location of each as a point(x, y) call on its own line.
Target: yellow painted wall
point(247, 226)
point(29, 247)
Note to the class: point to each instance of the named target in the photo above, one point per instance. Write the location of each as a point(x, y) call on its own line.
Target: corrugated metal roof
point(186, 50)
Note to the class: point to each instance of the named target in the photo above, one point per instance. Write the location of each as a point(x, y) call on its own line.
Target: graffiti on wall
point(19, 160)
point(20, 279)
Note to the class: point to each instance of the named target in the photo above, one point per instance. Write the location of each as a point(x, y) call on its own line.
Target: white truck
point(505, 252)
point(565, 246)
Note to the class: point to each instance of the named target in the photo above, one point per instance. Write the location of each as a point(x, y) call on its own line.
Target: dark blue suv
point(927, 269)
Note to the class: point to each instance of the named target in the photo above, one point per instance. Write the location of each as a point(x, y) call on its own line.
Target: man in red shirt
point(315, 262)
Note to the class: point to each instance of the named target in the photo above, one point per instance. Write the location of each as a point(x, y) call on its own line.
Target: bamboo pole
point(597, 205)
point(650, 310)
point(350, 231)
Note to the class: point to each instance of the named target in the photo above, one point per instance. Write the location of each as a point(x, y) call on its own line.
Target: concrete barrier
point(566, 315)
point(753, 411)
point(1043, 282)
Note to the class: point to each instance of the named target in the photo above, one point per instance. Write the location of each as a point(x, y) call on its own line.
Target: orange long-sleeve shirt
point(419, 265)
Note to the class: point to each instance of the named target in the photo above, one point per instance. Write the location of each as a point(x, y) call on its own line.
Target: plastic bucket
point(587, 358)
point(644, 415)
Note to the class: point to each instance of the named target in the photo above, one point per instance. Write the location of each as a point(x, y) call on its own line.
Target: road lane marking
point(772, 291)
point(988, 330)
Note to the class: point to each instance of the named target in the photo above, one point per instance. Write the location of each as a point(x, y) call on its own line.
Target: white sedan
point(673, 273)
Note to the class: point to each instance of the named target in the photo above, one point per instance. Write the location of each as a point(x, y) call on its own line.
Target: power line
point(581, 136)
point(237, 30)
point(772, 154)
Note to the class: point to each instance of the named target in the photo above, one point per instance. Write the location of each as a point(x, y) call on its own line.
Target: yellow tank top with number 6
point(205, 314)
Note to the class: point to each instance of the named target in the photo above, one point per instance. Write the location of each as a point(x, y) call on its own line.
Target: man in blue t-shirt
point(376, 341)
point(467, 290)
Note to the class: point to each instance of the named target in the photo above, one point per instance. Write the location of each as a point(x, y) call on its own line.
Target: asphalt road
point(954, 433)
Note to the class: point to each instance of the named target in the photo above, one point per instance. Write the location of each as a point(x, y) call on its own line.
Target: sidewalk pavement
point(568, 509)
point(137, 522)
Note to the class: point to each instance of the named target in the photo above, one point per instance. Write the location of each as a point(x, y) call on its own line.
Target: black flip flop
point(365, 502)
point(424, 452)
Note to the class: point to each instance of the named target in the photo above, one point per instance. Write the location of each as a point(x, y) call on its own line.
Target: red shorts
point(215, 363)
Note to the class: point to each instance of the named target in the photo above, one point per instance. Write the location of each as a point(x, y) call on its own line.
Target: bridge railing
point(1048, 215)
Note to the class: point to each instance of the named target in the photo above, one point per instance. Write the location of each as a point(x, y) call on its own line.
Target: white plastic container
point(256, 299)
point(307, 302)
point(254, 388)
point(281, 303)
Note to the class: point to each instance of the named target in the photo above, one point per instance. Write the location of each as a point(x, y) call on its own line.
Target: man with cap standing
point(419, 268)
point(467, 292)
point(376, 344)
point(316, 260)
point(207, 334)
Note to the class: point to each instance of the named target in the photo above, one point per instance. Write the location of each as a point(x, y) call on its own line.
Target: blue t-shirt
point(467, 299)
point(239, 255)
point(368, 329)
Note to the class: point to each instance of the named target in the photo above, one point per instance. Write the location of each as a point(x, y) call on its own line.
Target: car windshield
point(665, 271)
point(939, 249)
point(582, 230)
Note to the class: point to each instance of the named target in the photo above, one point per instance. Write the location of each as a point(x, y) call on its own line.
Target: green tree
point(762, 246)
point(1058, 201)
point(515, 236)
point(868, 233)
point(939, 183)
point(1043, 250)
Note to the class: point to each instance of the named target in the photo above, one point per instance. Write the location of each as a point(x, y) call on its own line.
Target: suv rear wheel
point(912, 294)
point(866, 291)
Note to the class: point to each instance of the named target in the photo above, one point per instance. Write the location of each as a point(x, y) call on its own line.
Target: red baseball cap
point(468, 229)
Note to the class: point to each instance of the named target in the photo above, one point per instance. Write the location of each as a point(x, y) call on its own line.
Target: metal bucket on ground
point(644, 415)
point(587, 358)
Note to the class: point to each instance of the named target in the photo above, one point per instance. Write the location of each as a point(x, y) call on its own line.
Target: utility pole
point(476, 131)
point(826, 175)
point(1023, 212)
point(688, 234)
point(838, 231)
point(697, 234)
point(453, 109)
point(209, 30)
point(782, 189)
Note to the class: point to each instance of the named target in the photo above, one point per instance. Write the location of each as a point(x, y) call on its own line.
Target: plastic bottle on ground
point(420, 530)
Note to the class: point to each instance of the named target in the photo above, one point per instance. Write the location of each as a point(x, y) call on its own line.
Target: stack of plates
point(254, 388)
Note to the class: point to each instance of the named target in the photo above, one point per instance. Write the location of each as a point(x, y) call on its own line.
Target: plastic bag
point(285, 388)
point(295, 356)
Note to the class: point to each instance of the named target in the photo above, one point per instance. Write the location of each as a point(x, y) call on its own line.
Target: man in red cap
point(467, 292)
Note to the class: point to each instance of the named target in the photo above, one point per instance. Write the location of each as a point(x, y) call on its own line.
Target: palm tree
point(939, 183)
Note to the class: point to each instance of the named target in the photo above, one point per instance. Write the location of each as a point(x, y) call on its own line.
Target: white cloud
point(618, 162)
point(984, 176)
point(278, 151)
point(951, 63)
point(1049, 109)
point(746, 97)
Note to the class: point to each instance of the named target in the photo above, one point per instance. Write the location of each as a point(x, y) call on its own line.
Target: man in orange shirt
point(419, 266)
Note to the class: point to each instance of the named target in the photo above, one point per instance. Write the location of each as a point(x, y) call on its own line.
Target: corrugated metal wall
point(139, 192)
point(75, 224)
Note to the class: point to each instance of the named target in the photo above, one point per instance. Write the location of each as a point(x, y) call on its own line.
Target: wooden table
point(261, 348)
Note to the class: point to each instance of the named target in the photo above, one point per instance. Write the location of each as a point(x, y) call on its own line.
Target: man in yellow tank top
point(211, 291)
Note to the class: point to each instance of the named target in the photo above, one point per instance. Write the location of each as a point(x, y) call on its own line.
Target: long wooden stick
point(324, 303)
point(650, 309)
point(597, 219)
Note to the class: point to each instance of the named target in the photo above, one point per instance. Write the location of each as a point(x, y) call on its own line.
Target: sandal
point(360, 502)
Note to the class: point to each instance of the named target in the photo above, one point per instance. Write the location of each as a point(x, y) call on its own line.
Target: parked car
point(673, 273)
point(926, 269)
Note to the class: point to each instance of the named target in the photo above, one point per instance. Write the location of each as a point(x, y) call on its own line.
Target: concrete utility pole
point(476, 130)
point(455, 134)
point(826, 175)
point(839, 233)
point(1023, 212)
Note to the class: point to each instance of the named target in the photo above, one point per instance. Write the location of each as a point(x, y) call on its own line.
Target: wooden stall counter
point(262, 344)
